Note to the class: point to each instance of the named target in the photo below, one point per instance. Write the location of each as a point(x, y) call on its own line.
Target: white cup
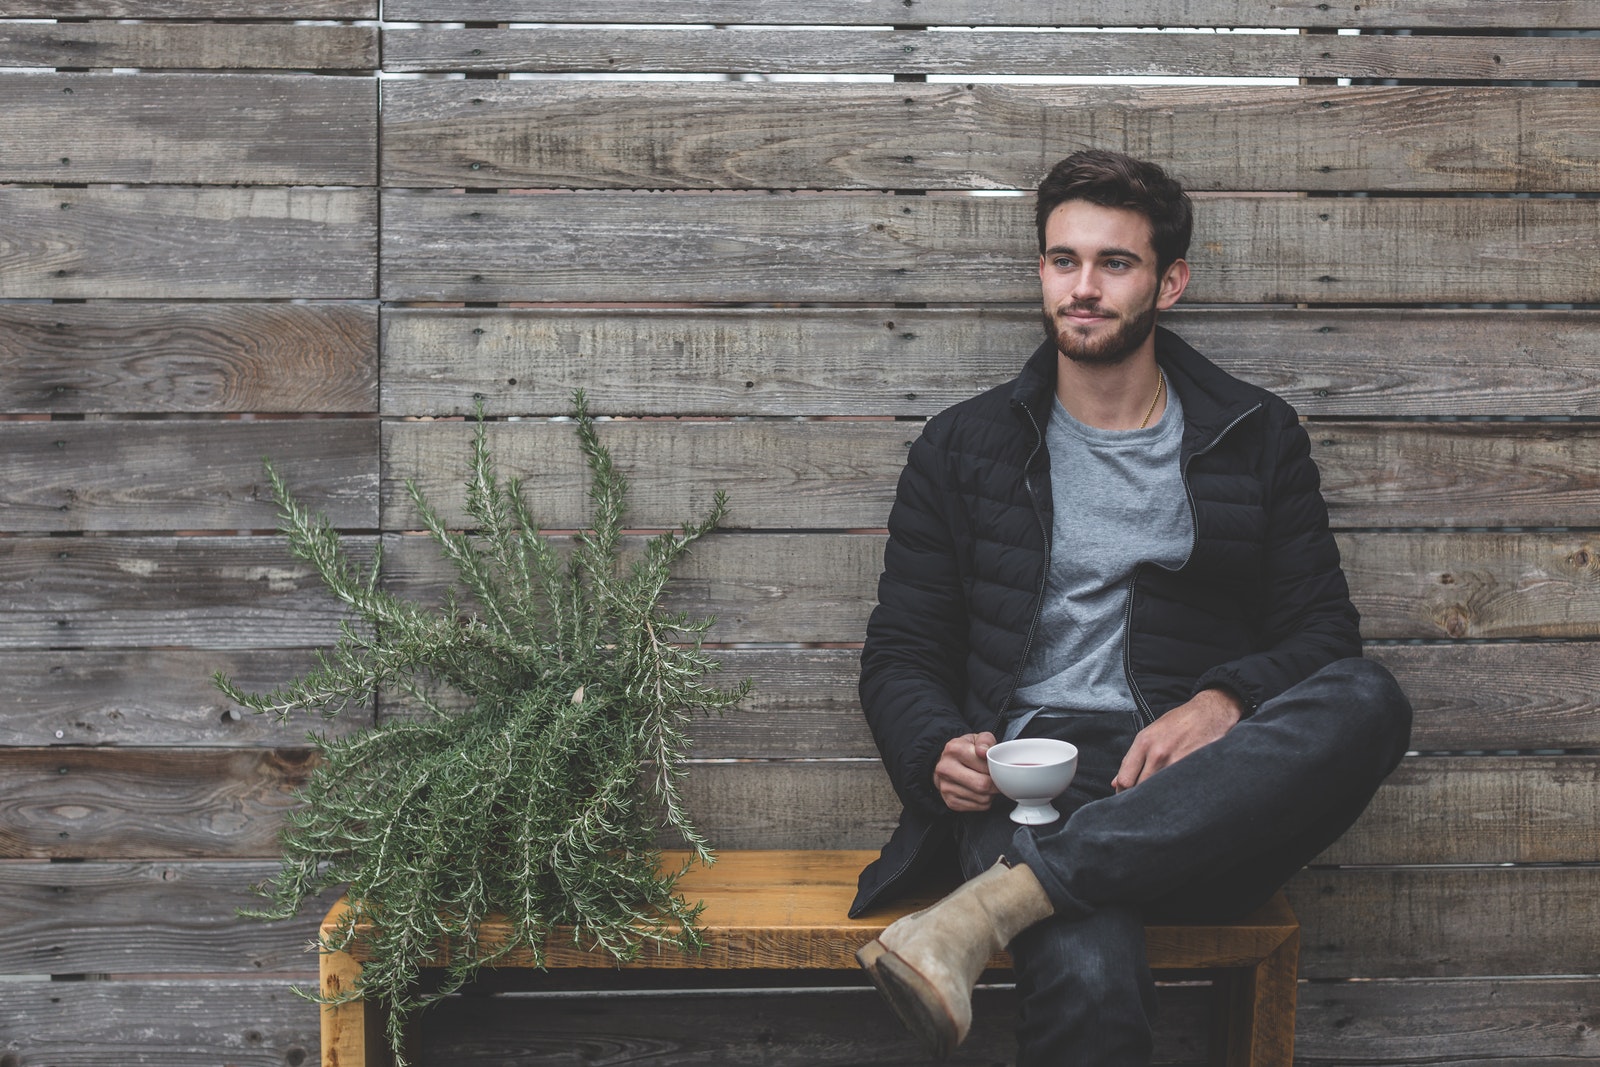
point(1033, 771)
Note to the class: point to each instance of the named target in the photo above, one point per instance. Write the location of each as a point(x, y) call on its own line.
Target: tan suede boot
point(926, 964)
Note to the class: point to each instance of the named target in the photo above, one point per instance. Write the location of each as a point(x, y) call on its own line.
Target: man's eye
point(1062, 262)
point(1117, 264)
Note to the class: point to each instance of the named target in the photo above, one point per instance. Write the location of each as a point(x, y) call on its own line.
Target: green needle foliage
point(544, 799)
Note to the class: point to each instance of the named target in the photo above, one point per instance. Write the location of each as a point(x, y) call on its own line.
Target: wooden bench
point(786, 910)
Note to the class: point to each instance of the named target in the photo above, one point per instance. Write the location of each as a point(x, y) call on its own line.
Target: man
point(1124, 548)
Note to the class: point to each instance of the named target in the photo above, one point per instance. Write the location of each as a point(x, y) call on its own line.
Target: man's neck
point(1113, 397)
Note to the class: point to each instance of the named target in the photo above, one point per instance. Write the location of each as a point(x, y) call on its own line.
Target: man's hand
point(962, 773)
point(1207, 716)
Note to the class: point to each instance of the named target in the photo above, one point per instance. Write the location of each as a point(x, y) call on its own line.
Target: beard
point(1109, 350)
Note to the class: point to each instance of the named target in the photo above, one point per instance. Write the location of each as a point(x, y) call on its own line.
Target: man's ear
point(1173, 283)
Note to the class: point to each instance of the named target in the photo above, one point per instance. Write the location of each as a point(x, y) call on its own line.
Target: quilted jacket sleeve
point(1308, 620)
point(913, 661)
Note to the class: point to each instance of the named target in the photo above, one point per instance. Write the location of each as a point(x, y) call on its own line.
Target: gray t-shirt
point(1119, 501)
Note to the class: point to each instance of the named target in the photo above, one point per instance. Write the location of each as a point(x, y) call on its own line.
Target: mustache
point(1085, 309)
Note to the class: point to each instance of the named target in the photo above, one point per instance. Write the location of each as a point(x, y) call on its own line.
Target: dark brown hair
point(1112, 179)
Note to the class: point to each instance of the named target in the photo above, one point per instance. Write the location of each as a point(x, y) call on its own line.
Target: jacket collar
point(1212, 398)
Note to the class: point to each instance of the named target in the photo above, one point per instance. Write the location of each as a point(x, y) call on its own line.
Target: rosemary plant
point(544, 799)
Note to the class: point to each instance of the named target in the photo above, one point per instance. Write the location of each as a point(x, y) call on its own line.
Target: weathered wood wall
point(214, 245)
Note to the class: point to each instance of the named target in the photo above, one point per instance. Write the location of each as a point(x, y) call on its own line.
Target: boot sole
point(916, 1002)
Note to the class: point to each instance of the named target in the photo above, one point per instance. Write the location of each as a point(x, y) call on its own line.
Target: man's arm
point(1307, 619)
point(913, 664)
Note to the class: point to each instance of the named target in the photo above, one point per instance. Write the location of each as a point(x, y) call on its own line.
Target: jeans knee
point(1375, 704)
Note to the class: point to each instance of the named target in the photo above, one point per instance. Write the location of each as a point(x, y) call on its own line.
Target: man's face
point(1101, 290)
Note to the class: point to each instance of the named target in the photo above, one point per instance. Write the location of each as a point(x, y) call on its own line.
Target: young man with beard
point(1124, 548)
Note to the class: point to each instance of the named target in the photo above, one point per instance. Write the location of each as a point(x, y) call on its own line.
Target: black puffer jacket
point(1260, 605)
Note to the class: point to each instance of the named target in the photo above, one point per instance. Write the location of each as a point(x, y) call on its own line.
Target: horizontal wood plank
point(566, 247)
point(151, 698)
point(1446, 922)
point(179, 916)
point(205, 129)
point(246, 592)
point(628, 135)
point(66, 802)
point(184, 475)
point(250, 1022)
point(1418, 14)
point(131, 592)
point(804, 705)
point(165, 242)
point(261, 1023)
point(1474, 585)
point(107, 803)
point(191, 9)
point(787, 475)
point(1435, 810)
point(189, 45)
point(79, 358)
point(917, 361)
point(746, 50)
point(820, 587)
point(1487, 1022)
point(1481, 1022)
point(148, 918)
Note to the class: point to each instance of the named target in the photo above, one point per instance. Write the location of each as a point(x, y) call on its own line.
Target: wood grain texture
point(247, 1022)
point(804, 706)
point(169, 592)
point(205, 129)
point(148, 918)
point(631, 135)
point(76, 358)
point(107, 803)
point(789, 475)
point(566, 247)
point(1474, 585)
point(183, 474)
point(191, 9)
point(1487, 1022)
point(167, 242)
point(1418, 14)
point(1466, 697)
point(1460, 1023)
point(189, 45)
point(784, 474)
point(766, 910)
point(917, 361)
point(820, 587)
point(1461, 474)
point(747, 50)
point(151, 698)
point(1446, 922)
point(1433, 810)
point(66, 802)
point(179, 917)
point(1498, 696)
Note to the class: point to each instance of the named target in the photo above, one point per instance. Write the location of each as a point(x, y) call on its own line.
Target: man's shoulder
point(1216, 385)
point(987, 416)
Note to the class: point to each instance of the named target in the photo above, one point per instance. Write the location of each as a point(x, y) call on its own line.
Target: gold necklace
point(1161, 384)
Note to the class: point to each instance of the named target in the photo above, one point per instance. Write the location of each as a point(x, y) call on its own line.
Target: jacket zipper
point(1044, 575)
point(1145, 713)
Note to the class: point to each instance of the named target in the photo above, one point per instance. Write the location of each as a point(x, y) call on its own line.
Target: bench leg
point(1258, 1008)
point(352, 1032)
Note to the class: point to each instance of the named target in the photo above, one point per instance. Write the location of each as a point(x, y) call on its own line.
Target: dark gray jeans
point(1210, 837)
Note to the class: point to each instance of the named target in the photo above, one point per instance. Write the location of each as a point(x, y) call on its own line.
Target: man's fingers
point(1131, 773)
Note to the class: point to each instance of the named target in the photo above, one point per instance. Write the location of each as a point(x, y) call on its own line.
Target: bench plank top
point(787, 909)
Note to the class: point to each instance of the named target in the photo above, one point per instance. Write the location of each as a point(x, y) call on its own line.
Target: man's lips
point(1080, 317)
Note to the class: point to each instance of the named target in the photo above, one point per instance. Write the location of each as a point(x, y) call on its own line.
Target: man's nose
point(1086, 286)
